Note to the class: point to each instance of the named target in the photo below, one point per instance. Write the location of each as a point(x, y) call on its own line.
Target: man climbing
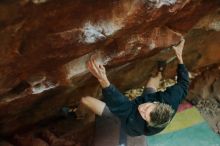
point(149, 113)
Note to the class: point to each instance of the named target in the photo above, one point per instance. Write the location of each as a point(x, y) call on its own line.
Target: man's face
point(145, 110)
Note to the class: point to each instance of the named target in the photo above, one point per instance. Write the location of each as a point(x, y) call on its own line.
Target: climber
point(149, 113)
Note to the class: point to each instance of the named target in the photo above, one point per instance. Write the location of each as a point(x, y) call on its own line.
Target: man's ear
point(150, 124)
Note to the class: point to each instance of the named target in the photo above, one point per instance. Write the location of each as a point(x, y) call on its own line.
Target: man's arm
point(182, 73)
point(112, 96)
point(179, 51)
point(176, 93)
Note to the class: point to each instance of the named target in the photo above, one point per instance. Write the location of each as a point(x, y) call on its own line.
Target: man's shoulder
point(144, 98)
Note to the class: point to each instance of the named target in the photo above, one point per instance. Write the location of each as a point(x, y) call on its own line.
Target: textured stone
point(29, 141)
point(204, 94)
point(44, 46)
point(4, 143)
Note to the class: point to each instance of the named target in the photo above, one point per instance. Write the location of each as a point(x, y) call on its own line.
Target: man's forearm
point(104, 83)
point(180, 60)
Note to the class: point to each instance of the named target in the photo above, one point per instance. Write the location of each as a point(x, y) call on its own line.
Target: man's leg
point(97, 106)
point(154, 82)
point(107, 126)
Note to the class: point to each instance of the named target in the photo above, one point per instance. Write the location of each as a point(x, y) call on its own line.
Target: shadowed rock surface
point(44, 45)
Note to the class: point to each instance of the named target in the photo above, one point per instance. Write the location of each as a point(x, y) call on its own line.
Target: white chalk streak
point(160, 3)
point(152, 45)
point(39, 1)
point(99, 31)
point(43, 87)
point(215, 25)
point(78, 66)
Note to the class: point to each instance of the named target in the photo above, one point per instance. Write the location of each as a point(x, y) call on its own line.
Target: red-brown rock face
point(44, 45)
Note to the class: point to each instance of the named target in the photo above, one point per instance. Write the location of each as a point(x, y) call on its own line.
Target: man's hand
point(98, 70)
point(179, 50)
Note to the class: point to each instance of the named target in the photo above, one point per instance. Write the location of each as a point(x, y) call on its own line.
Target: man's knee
point(94, 104)
point(86, 99)
point(152, 85)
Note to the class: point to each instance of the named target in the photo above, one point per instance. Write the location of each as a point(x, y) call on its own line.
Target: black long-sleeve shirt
point(128, 112)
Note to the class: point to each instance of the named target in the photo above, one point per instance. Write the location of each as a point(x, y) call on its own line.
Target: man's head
point(156, 114)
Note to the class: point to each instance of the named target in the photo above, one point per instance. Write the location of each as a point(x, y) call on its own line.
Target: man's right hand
point(98, 70)
point(178, 50)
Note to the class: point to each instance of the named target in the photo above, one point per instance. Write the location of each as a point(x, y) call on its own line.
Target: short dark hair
point(161, 115)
